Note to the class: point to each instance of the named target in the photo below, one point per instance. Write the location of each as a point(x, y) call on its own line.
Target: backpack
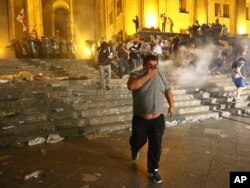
point(103, 56)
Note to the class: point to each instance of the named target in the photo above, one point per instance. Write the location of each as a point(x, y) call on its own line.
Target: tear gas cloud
point(193, 65)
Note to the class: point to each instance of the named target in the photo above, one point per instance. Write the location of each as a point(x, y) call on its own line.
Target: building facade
point(92, 20)
point(234, 14)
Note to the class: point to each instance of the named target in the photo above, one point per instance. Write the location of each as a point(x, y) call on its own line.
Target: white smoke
point(193, 65)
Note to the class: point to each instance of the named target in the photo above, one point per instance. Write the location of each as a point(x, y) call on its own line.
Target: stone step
point(38, 116)
point(38, 103)
point(245, 93)
point(103, 111)
point(191, 109)
point(101, 104)
point(217, 106)
point(128, 109)
point(18, 140)
point(49, 111)
point(194, 116)
point(122, 102)
point(223, 113)
point(237, 104)
point(239, 110)
point(43, 126)
point(109, 118)
point(220, 100)
point(202, 95)
point(219, 89)
point(121, 96)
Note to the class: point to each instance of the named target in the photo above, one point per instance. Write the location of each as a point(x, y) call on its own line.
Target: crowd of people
point(215, 30)
point(46, 47)
point(129, 54)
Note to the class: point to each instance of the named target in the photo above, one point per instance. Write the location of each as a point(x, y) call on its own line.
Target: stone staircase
point(77, 107)
point(219, 87)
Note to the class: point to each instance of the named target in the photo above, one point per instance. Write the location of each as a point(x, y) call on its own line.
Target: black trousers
point(151, 130)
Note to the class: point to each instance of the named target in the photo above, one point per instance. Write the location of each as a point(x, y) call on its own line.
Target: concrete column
point(11, 19)
point(201, 11)
point(241, 17)
point(34, 14)
point(4, 22)
point(71, 19)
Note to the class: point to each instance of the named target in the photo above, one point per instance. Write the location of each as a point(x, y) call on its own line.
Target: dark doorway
point(62, 23)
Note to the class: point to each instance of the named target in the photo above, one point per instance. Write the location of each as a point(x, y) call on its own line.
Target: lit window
point(183, 6)
point(226, 10)
point(119, 7)
point(247, 13)
point(217, 10)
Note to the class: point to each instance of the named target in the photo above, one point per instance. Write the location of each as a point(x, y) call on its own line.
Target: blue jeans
point(123, 67)
point(134, 63)
point(239, 82)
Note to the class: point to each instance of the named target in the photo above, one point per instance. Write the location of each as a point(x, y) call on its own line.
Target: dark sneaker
point(135, 155)
point(156, 177)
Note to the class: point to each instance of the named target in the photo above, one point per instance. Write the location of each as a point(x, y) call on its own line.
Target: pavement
point(194, 155)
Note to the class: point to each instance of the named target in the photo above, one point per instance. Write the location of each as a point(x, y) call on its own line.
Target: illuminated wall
point(130, 11)
point(201, 10)
point(84, 26)
point(3, 29)
point(96, 19)
point(151, 13)
point(34, 15)
point(241, 17)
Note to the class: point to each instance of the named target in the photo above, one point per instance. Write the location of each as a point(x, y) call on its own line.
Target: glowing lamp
point(241, 30)
point(150, 21)
point(87, 52)
point(2, 53)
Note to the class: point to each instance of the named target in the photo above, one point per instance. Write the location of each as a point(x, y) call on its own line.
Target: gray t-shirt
point(150, 97)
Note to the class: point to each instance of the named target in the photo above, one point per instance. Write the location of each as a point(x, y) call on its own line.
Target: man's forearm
point(136, 83)
point(169, 97)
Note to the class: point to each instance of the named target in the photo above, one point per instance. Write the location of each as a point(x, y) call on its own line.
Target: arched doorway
point(62, 23)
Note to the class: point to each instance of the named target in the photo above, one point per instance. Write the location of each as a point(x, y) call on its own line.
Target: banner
point(20, 17)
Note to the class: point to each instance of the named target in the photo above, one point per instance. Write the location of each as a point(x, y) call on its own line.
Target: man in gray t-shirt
point(149, 88)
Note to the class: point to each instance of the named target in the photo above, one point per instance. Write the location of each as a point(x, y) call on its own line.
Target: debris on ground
point(7, 114)
point(43, 152)
point(28, 77)
point(8, 127)
point(59, 109)
point(248, 127)
point(171, 123)
point(98, 135)
point(4, 81)
point(34, 174)
point(54, 138)
point(38, 140)
point(90, 177)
